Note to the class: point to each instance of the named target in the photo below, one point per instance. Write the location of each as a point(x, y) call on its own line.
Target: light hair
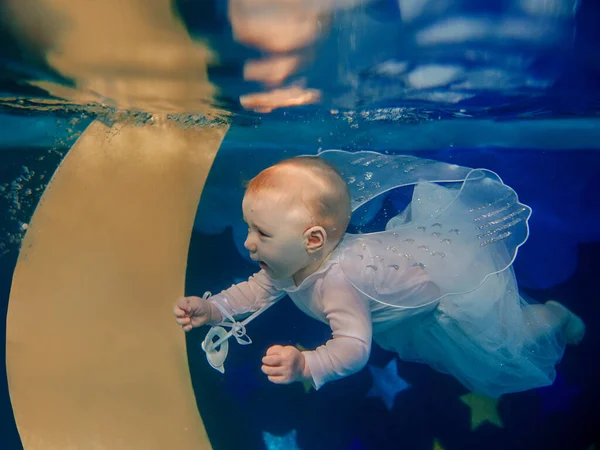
point(322, 191)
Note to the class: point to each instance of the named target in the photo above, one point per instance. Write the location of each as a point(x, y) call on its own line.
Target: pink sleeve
point(348, 351)
point(248, 296)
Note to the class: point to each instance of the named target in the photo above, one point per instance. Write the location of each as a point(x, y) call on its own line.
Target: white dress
point(463, 237)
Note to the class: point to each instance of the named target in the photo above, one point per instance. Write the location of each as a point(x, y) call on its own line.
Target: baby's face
point(275, 234)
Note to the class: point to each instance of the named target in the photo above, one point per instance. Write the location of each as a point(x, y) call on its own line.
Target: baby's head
point(313, 187)
point(297, 211)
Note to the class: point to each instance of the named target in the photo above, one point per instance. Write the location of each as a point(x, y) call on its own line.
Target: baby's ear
point(315, 239)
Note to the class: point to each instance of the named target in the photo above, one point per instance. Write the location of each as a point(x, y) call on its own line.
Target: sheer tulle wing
point(460, 239)
point(369, 174)
point(455, 237)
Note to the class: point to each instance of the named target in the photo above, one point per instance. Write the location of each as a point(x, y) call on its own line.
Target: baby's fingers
point(182, 307)
point(183, 321)
point(179, 312)
point(272, 360)
point(274, 350)
point(272, 371)
point(278, 379)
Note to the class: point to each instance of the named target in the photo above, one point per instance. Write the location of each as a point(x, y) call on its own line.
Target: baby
point(297, 213)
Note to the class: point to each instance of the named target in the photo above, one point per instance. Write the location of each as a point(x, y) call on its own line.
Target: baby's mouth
point(263, 265)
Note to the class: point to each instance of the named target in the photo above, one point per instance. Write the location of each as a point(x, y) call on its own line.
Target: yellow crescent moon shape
point(94, 357)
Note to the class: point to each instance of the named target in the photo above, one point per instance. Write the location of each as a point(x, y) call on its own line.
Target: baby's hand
point(284, 365)
point(191, 312)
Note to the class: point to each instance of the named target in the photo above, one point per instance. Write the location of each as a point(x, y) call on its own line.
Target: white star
point(387, 383)
point(285, 442)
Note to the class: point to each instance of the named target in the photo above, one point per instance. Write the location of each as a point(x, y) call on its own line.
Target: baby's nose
point(249, 244)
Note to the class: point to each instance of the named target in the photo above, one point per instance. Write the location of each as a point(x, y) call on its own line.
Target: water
point(510, 86)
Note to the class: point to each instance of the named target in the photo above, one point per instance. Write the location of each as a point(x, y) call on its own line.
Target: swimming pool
point(128, 131)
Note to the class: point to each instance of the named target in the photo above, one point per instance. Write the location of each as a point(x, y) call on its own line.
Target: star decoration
point(387, 383)
point(437, 445)
point(285, 442)
point(483, 409)
point(307, 386)
point(558, 397)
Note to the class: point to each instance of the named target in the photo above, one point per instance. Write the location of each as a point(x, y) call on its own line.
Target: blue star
point(558, 397)
point(387, 383)
point(285, 442)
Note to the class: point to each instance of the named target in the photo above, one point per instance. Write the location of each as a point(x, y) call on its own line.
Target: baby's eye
point(262, 233)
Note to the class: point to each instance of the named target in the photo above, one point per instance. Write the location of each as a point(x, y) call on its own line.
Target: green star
point(483, 409)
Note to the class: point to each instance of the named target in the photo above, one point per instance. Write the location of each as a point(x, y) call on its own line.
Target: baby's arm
point(348, 351)
point(240, 298)
point(248, 296)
